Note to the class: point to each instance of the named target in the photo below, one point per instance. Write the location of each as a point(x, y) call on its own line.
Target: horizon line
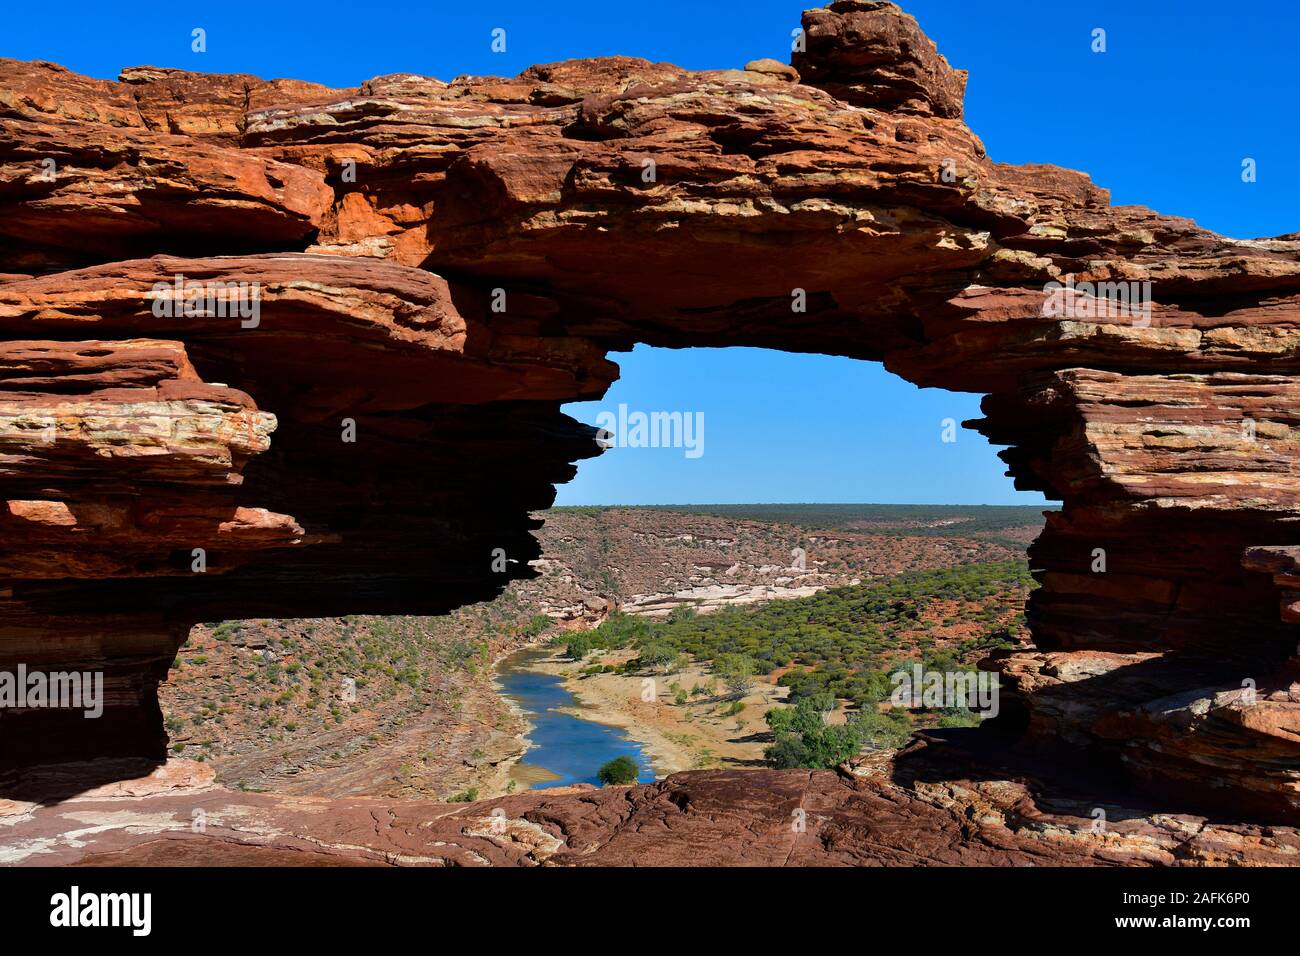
point(810, 504)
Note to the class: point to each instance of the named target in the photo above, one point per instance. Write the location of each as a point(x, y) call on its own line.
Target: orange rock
point(583, 207)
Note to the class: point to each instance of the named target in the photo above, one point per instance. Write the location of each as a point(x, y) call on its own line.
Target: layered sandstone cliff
point(439, 266)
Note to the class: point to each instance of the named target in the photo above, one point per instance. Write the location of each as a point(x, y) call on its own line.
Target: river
point(562, 749)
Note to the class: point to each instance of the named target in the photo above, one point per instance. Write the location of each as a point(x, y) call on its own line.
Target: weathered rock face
point(442, 265)
point(967, 815)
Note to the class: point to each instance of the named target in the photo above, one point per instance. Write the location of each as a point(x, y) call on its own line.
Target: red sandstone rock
point(74, 150)
point(868, 53)
point(605, 203)
point(757, 818)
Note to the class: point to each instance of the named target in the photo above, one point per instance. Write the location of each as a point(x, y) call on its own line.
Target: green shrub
point(618, 771)
point(535, 626)
point(737, 671)
point(225, 630)
point(656, 655)
point(804, 739)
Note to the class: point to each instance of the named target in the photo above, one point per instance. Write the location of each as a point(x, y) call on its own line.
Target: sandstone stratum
point(443, 265)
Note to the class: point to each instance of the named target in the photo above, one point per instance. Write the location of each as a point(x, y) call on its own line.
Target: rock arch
point(381, 223)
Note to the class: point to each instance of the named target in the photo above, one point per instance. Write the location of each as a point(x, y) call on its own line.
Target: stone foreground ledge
point(176, 816)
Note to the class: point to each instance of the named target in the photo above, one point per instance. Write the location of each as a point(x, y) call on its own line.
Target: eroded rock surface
point(973, 816)
point(444, 264)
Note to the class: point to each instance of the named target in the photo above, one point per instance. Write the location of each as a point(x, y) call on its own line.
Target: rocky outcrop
point(649, 561)
point(440, 265)
point(973, 816)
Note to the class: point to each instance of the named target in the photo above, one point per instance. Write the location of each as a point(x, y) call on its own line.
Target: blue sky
point(1185, 91)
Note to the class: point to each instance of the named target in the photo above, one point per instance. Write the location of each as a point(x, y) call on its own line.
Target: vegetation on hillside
point(911, 520)
point(841, 644)
point(242, 688)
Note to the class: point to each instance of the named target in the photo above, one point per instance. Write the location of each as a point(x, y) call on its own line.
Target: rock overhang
point(445, 264)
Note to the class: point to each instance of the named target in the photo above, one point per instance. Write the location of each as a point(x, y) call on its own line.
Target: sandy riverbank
point(694, 735)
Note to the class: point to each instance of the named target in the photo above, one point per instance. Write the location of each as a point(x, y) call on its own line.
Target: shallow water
point(563, 749)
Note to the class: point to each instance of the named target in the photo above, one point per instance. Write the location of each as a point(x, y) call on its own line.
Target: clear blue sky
point(1185, 91)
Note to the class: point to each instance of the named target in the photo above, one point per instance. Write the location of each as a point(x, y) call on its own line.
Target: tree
point(887, 731)
point(805, 718)
point(617, 771)
point(804, 739)
point(831, 745)
point(579, 646)
point(656, 655)
point(737, 671)
point(787, 753)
